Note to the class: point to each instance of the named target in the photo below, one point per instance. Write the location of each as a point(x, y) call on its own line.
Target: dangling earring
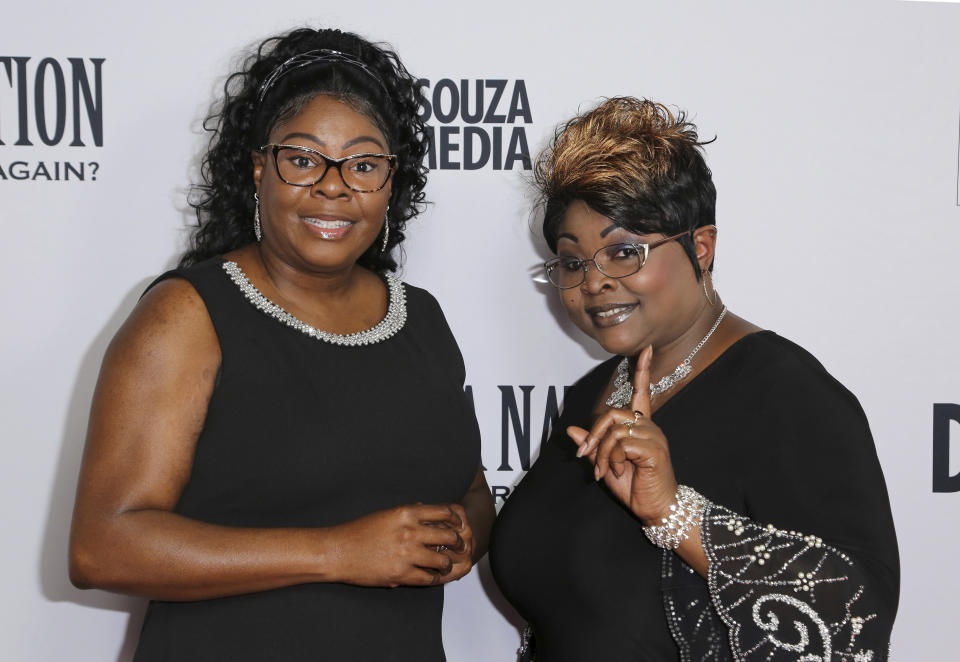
point(256, 217)
point(386, 231)
point(713, 287)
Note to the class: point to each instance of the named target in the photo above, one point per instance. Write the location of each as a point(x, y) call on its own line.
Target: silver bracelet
point(686, 512)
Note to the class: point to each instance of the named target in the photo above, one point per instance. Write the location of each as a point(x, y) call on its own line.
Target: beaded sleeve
point(771, 596)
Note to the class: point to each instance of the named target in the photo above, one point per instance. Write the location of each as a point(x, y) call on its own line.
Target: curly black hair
point(240, 124)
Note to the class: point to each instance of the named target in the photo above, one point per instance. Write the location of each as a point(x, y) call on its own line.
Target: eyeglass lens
point(616, 261)
point(303, 168)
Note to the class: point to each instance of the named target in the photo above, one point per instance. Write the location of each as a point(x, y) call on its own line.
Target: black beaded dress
point(303, 431)
point(798, 531)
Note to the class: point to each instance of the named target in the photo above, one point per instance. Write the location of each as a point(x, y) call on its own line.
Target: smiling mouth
point(328, 228)
point(612, 315)
point(327, 225)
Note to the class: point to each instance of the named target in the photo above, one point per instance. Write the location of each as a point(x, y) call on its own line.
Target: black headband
point(313, 57)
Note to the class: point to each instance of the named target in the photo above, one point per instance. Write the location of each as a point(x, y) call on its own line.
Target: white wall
point(836, 165)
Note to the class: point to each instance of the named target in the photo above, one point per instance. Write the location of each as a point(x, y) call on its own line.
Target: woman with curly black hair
point(279, 431)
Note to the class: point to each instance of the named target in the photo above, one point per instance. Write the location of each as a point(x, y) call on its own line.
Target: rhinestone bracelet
point(686, 511)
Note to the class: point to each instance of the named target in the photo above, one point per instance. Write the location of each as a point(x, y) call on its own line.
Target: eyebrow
point(349, 143)
point(308, 136)
point(603, 233)
point(363, 139)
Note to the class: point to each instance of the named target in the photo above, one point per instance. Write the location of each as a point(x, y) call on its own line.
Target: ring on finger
point(441, 548)
point(630, 431)
point(637, 415)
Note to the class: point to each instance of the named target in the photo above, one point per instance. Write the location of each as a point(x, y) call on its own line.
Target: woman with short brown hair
point(710, 492)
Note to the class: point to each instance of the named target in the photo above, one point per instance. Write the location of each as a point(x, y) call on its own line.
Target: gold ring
point(637, 415)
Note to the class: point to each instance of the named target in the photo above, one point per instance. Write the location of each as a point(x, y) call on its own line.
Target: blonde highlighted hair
point(634, 161)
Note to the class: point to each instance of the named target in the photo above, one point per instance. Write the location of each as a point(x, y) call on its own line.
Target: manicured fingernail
point(581, 450)
point(596, 473)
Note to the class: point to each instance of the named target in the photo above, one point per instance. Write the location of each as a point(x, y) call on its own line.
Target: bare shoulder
point(163, 361)
point(170, 324)
point(150, 402)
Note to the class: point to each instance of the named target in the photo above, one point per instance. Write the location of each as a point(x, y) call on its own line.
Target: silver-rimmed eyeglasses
point(614, 261)
point(303, 166)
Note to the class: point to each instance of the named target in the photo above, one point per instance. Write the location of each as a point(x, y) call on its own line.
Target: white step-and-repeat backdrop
point(836, 163)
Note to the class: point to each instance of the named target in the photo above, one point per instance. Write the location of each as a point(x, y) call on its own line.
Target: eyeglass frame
point(328, 161)
point(647, 247)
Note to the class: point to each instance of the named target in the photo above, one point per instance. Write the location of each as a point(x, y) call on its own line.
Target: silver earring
point(713, 287)
point(256, 217)
point(386, 231)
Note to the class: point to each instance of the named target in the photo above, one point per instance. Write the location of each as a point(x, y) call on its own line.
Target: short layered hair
point(636, 162)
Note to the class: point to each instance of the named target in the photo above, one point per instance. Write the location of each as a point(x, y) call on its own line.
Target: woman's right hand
point(397, 547)
point(630, 452)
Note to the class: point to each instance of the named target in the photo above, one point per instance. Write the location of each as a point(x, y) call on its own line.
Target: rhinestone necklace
point(391, 323)
point(623, 389)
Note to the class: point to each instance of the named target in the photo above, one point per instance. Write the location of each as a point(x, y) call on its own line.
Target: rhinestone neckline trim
point(392, 322)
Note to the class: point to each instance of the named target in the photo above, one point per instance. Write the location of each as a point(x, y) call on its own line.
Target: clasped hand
point(415, 545)
point(632, 458)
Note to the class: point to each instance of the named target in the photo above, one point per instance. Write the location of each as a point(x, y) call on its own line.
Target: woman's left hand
point(630, 452)
point(462, 554)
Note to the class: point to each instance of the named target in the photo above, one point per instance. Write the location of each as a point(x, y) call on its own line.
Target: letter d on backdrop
point(943, 413)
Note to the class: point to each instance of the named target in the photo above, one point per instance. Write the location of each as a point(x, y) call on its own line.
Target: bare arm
point(148, 409)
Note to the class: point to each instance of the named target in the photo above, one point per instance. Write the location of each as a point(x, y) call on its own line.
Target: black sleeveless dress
point(306, 433)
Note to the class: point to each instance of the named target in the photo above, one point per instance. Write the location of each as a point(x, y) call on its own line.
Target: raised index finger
point(641, 382)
